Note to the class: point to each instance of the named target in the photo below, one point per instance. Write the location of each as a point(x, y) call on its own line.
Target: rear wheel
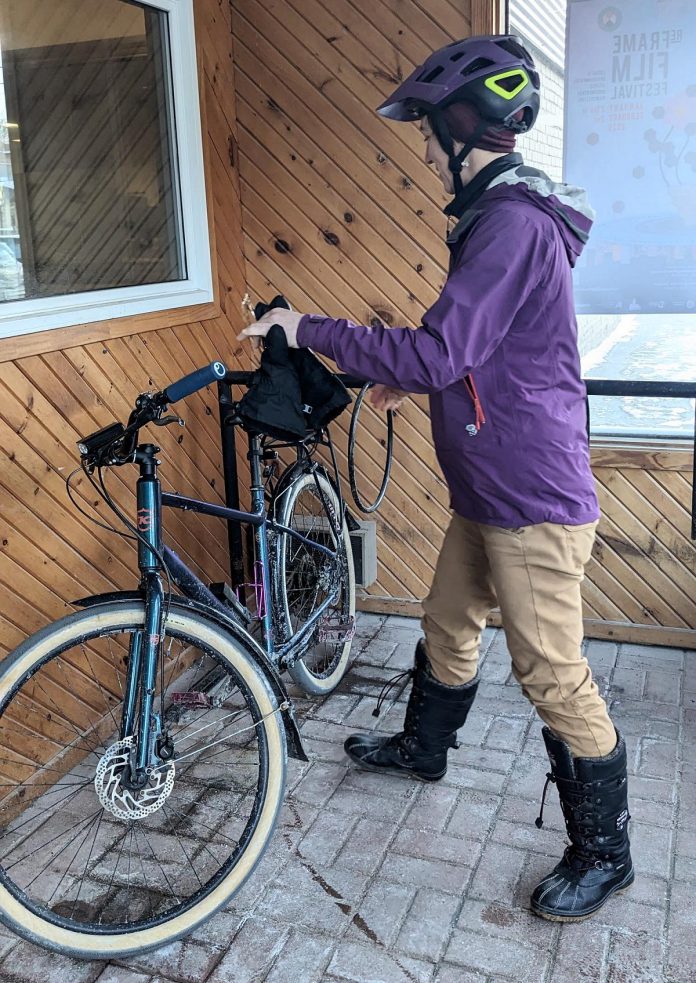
point(90, 865)
point(305, 577)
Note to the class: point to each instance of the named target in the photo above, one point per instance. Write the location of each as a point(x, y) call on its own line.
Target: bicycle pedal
point(336, 629)
point(191, 700)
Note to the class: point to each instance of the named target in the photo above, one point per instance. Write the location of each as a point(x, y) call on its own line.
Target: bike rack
point(229, 462)
point(595, 387)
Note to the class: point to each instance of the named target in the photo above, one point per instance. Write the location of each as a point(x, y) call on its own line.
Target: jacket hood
point(566, 204)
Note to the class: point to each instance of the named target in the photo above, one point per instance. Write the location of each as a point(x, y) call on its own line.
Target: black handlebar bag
point(292, 394)
point(323, 395)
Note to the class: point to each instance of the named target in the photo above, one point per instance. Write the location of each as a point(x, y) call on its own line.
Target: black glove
point(324, 396)
point(278, 301)
point(273, 403)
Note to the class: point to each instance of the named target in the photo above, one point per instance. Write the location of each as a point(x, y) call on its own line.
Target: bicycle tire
point(310, 672)
point(36, 663)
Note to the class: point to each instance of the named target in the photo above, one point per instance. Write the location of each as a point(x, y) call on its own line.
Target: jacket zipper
point(480, 416)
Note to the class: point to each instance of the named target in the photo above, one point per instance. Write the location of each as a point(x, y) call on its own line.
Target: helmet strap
point(475, 188)
point(455, 160)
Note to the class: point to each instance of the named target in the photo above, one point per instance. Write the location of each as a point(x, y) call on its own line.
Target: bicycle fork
point(145, 646)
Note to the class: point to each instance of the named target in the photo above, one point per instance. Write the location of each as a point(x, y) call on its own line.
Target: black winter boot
point(594, 799)
point(434, 713)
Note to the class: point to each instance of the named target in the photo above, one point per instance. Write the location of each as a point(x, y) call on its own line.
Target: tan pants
point(534, 574)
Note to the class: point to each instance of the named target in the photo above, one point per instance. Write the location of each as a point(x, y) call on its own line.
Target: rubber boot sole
point(553, 917)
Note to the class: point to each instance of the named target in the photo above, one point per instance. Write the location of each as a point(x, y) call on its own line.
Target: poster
point(630, 139)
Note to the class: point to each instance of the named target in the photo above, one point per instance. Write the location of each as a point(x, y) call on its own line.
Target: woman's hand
point(386, 398)
point(288, 320)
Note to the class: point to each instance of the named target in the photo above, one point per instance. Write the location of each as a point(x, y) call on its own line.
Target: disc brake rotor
point(125, 803)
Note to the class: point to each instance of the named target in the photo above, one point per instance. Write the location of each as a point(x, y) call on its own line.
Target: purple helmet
point(495, 73)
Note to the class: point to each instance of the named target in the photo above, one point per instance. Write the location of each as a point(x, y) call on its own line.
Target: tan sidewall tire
point(88, 946)
point(299, 672)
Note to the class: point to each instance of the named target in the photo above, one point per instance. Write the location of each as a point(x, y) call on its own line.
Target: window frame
point(27, 316)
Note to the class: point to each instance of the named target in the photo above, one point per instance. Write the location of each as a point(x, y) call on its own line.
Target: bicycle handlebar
point(193, 382)
point(116, 444)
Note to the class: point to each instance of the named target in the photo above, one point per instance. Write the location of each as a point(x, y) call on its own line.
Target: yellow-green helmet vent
point(508, 84)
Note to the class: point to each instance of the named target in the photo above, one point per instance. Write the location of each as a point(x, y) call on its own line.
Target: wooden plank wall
point(342, 216)
point(643, 569)
point(57, 386)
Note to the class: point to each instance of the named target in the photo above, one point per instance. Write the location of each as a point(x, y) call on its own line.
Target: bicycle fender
point(295, 748)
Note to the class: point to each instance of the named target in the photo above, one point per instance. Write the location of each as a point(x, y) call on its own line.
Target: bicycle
point(145, 736)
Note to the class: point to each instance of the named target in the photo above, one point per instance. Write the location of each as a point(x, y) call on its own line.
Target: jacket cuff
point(310, 330)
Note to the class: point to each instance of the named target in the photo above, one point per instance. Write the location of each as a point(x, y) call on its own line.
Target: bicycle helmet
point(493, 73)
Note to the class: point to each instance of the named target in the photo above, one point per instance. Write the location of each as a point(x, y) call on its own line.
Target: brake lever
point(165, 421)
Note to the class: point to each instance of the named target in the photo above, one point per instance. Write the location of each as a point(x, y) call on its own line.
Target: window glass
point(634, 304)
point(89, 195)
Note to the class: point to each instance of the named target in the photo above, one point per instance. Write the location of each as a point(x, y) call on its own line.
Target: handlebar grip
point(195, 381)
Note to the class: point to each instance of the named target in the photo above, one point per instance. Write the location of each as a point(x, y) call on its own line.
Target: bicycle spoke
point(31, 709)
point(205, 845)
point(106, 704)
point(91, 849)
point(214, 743)
point(113, 872)
point(177, 812)
point(52, 806)
point(77, 850)
point(213, 723)
point(59, 663)
point(164, 809)
point(42, 846)
point(164, 873)
point(80, 737)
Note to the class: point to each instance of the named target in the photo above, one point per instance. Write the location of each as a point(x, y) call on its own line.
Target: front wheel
point(305, 577)
point(89, 864)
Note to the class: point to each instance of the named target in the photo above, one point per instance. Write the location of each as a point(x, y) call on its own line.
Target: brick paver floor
point(374, 879)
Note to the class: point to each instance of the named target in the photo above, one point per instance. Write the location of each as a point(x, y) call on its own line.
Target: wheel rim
point(76, 864)
point(306, 576)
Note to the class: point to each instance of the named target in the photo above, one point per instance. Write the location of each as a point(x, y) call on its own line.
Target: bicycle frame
point(145, 646)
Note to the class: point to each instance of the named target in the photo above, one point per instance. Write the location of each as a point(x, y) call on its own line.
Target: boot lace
point(539, 821)
point(576, 802)
point(406, 675)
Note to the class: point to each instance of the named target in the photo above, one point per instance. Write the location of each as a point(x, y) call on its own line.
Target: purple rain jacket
point(506, 316)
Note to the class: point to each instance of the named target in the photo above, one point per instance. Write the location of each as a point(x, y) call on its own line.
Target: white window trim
point(23, 317)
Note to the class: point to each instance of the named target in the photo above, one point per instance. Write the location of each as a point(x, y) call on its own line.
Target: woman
point(497, 353)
